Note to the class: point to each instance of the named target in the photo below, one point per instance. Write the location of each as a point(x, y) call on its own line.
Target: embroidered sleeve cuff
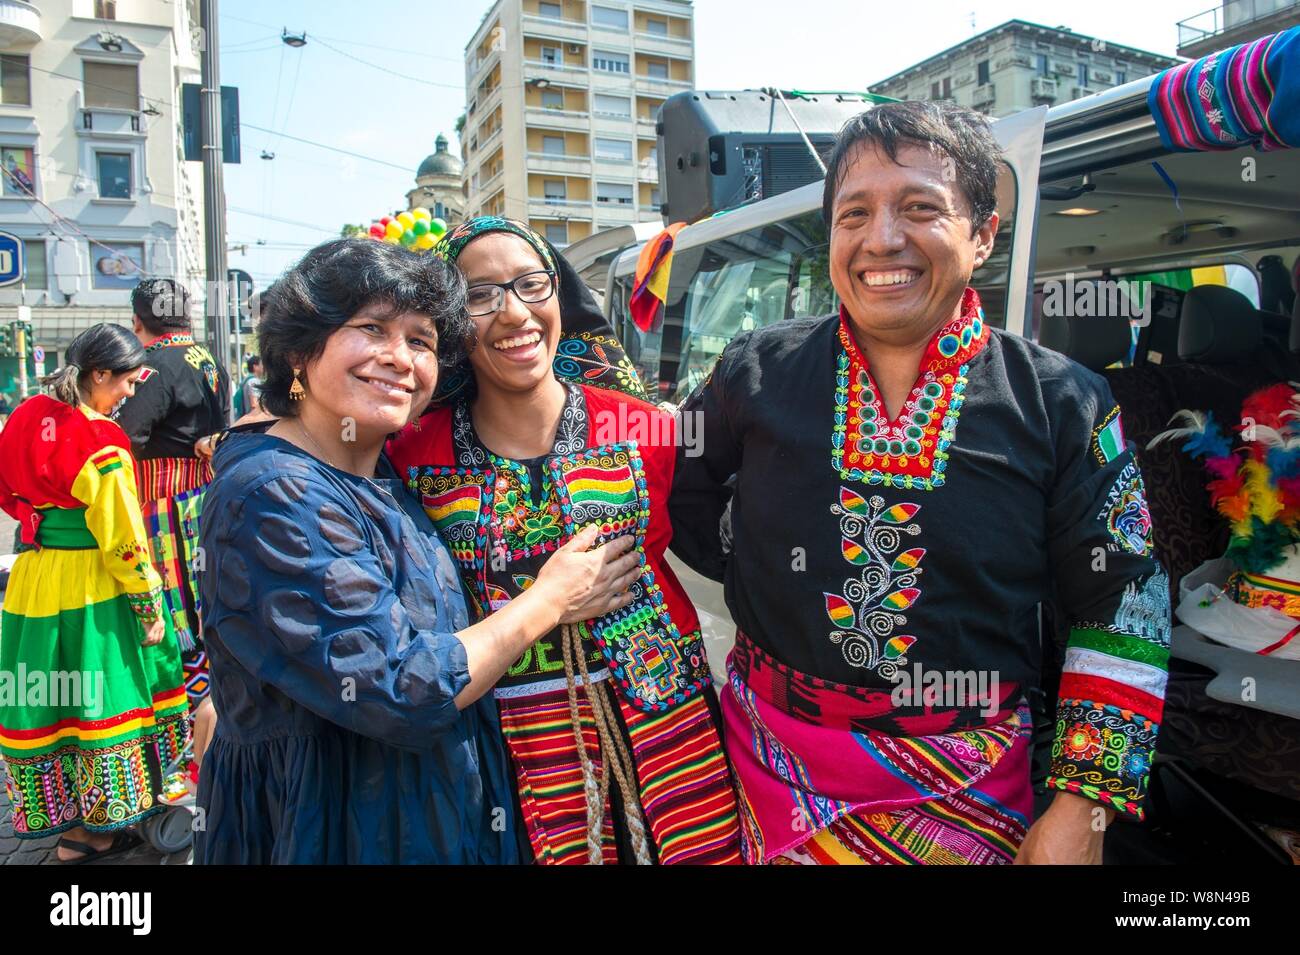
point(146, 606)
point(1108, 713)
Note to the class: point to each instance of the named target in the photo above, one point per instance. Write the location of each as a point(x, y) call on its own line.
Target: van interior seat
point(1222, 358)
point(1157, 341)
point(1093, 341)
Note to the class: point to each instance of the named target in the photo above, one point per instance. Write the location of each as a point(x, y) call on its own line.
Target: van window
point(770, 273)
point(1232, 274)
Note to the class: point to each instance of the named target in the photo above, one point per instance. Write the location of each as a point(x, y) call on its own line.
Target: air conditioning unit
point(1042, 87)
point(1079, 92)
point(573, 48)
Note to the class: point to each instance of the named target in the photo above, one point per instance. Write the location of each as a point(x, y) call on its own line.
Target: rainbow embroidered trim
point(912, 451)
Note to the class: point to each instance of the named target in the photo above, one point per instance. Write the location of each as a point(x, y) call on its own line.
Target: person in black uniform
point(181, 402)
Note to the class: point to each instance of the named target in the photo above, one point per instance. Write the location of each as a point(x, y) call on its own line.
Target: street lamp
point(294, 40)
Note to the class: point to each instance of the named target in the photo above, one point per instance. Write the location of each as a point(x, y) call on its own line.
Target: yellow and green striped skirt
point(89, 719)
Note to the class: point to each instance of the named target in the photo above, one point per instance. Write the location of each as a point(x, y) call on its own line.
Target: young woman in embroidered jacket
point(609, 724)
point(347, 676)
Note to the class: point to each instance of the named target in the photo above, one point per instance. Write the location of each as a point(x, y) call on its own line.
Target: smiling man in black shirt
point(910, 484)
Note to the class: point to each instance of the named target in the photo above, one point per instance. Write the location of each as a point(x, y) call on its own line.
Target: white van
point(1089, 195)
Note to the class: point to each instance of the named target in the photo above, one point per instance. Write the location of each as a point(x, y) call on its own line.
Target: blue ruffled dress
point(330, 608)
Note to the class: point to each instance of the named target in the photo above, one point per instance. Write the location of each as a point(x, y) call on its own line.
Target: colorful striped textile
point(686, 790)
point(539, 738)
point(684, 783)
point(171, 497)
point(167, 477)
point(1244, 95)
point(814, 790)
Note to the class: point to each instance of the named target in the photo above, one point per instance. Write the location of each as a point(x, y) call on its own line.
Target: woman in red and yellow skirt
point(98, 705)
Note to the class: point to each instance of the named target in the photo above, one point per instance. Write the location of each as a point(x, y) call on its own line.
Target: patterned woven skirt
point(683, 782)
point(171, 497)
point(819, 785)
point(89, 719)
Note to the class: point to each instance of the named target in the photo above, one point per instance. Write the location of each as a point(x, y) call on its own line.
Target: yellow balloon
point(394, 231)
point(425, 242)
point(422, 213)
point(407, 220)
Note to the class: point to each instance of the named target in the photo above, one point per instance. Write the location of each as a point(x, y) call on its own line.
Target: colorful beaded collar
point(912, 450)
point(178, 338)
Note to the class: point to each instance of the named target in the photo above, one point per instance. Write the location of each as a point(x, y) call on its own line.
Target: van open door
point(1021, 139)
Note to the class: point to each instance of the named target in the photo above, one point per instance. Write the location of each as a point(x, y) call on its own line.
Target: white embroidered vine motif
point(871, 607)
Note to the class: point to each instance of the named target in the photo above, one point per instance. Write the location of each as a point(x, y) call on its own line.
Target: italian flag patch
point(1108, 438)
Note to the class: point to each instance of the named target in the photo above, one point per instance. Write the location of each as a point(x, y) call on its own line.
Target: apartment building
point(561, 97)
point(94, 182)
point(1018, 65)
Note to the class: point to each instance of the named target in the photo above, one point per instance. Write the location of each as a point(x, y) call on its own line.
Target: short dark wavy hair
point(333, 282)
point(161, 304)
point(959, 133)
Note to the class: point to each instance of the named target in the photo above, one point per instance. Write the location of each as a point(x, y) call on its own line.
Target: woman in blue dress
point(348, 680)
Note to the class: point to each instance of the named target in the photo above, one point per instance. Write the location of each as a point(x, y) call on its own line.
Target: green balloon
point(408, 238)
point(421, 227)
point(437, 227)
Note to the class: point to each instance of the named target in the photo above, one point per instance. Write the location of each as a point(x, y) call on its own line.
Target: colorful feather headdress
point(1256, 485)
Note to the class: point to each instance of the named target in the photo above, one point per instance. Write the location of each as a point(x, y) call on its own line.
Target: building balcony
point(649, 210)
point(645, 126)
point(107, 121)
point(489, 139)
point(486, 101)
point(668, 45)
point(557, 28)
point(984, 95)
point(1233, 22)
point(1043, 88)
point(563, 165)
point(540, 68)
point(551, 208)
point(612, 122)
point(19, 23)
point(479, 69)
point(556, 118)
point(491, 182)
point(661, 87)
point(647, 170)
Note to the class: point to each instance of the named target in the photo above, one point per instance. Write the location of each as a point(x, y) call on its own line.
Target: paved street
point(15, 851)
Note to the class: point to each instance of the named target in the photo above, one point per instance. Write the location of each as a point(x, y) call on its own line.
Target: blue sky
point(392, 109)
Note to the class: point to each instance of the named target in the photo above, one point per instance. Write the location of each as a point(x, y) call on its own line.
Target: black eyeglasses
point(532, 288)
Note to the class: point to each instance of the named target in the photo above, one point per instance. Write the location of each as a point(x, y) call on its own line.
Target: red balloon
point(385, 220)
point(377, 231)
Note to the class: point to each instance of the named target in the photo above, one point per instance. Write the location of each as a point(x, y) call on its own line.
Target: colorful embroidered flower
point(541, 528)
point(1137, 762)
point(1083, 742)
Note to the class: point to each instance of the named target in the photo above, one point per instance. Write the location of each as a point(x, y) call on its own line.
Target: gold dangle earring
point(296, 391)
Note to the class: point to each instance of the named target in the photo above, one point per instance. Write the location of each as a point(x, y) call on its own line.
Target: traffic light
point(8, 339)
